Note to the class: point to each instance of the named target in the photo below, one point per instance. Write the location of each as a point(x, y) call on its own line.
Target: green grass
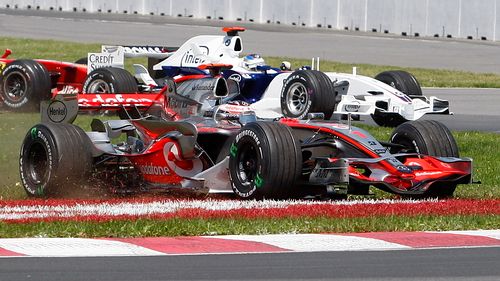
point(426, 77)
point(67, 51)
point(190, 227)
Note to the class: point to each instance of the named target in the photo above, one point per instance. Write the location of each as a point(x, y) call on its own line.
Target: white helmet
point(252, 61)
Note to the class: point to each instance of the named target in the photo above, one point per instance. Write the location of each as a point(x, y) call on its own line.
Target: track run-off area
point(28, 211)
point(35, 211)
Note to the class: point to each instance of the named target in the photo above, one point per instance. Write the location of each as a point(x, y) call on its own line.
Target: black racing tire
point(307, 91)
point(84, 61)
point(108, 80)
point(431, 138)
point(390, 120)
point(55, 160)
point(23, 84)
point(401, 80)
point(265, 161)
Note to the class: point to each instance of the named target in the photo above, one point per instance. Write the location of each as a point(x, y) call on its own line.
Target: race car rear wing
point(132, 51)
point(114, 56)
point(64, 108)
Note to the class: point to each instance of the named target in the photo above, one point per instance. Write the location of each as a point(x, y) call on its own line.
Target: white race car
point(391, 98)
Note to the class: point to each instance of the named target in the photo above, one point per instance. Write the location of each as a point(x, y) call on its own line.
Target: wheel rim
point(297, 98)
point(248, 166)
point(38, 163)
point(99, 86)
point(15, 86)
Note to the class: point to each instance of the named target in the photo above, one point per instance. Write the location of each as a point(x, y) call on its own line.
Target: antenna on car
point(313, 61)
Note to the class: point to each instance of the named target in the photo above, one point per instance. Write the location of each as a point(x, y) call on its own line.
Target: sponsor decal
point(338, 126)
point(33, 132)
point(352, 107)
point(227, 42)
point(106, 59)
point(182, 167)
point(154, 170)
point(57, 111)
point(235, 77)
point(115, 99)
point(259, 181)
point(96, 58)
point(419, 174)
point(203, 87)
point(233, 150)
point(39, 190)
point(144, 49)
point(2, 66)
point(68, 90)
point(235, 109)
point(248, 133)
point(191, 58)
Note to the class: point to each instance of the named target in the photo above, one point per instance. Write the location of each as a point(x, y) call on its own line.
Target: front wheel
point(307, 91)
point(55, 159)
point(431, 138)
point(265, 161)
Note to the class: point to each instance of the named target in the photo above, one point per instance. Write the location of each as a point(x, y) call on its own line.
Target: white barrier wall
point(455, 18)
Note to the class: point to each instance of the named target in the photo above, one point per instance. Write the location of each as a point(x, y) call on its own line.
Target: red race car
point(24, 83)
point(224, 151)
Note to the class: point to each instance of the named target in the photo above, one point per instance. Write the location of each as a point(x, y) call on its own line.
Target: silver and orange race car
point(218, 150)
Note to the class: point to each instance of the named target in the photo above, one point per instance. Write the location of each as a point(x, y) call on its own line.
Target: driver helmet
point(252, 61)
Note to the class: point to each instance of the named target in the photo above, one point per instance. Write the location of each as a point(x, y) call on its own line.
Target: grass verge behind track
point(69, 51)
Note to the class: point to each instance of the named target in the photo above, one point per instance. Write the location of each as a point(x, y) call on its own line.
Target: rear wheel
point(265, 161)
point(23, 84)
point(55, 159)
point(84, 61)
point(109, 80)
point(427, 137)
point(307, 91)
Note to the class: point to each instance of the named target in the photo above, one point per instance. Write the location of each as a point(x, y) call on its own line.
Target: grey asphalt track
point(269, 40)
point(437, 264)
